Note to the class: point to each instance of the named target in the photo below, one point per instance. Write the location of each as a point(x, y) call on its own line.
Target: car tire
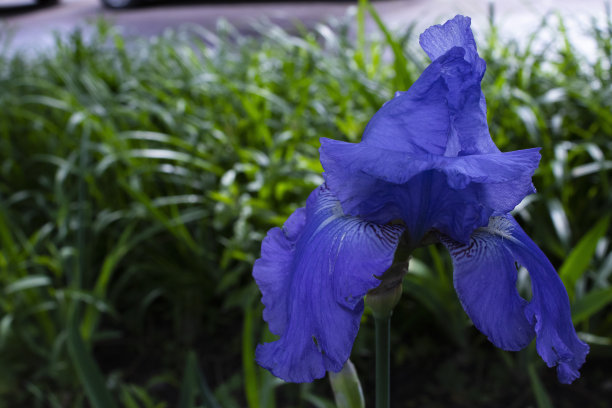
point(117, 4)
point(46, 2)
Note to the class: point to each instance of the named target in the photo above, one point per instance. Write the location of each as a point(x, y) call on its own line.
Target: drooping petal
point(485, 280)
point(485, 277)
point(272, 270)
point(313, 277)
point(549, 311)
point(453, 194)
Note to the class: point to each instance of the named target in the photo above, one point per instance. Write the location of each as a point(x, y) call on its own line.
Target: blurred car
point(120, 3)
point(20, 3)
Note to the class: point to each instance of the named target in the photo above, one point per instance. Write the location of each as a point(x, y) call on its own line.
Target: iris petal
point(419, 120)
point(399, 167)
point(429, 144)
point(485, 281)
point(439, 39)
point(444, 111)
point(549, 311)
point(470, 131)
point(313, 277)
point(485, 277)
point(453, 194)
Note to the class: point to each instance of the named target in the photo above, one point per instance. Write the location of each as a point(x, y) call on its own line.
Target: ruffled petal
point(453, 194)
point(399, 167)
point(313, 277)
point(485, 277)
point(272, 270)
point(470, 133)
point(426, 156)
point(549, 310)
point(420, 119)
point(444, 111)
point(437, 40)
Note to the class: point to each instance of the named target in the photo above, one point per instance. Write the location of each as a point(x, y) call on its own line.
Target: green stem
point(382, 300)
point(383, 388)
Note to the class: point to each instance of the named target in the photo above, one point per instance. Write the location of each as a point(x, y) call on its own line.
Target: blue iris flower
point(426, 164)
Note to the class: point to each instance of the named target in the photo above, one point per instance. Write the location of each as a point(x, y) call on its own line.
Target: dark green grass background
point(138, 178)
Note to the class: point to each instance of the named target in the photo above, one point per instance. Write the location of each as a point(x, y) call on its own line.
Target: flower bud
point(385, 296)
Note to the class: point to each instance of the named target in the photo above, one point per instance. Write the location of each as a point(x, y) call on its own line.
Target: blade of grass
point(402, 76)
point(88, 371)
point(251, 385)
point(85, 365)
point(541, 396)
point(360, 52)
point(579, 259)
point(590, 304)
point(194, 384)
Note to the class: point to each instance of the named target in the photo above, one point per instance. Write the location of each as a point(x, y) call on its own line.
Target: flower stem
point(381, 301)
point(383, 388)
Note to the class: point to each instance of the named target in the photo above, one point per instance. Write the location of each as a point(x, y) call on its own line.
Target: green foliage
point(346, 387)
point(541, 396)
point(194, 384)
point(579, 258)
point(138, 178)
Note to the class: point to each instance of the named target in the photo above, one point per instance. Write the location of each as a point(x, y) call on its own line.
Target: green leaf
point(29, 282)
point(127, 399)
point(578, 260)
point(596, 340)
point(400, 62)
point(347, 387)
point(194, 384)
point(189, 386)
point(88, 371)
point(248, 360)
point(590, 304)
point(318, 402)
point(541, 396)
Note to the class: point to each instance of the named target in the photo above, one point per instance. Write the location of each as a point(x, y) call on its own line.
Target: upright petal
point(422, 119)
point(444, 111)
point(426, 156)
point(485, 277)
point(418, 120)
point(439, 39)
point(313, 277)
point(470, 131)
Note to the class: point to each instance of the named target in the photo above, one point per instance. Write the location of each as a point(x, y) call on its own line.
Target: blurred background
point(145, 151)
